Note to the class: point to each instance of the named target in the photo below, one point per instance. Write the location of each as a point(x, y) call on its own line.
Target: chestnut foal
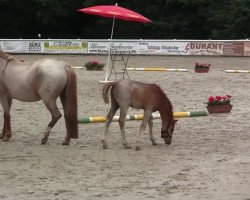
point(138, 95)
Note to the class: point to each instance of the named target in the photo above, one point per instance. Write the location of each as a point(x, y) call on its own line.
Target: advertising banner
point(35, 47)
point(247, 48)
point(16, 46)
point(233, 48)
point(21, 46)
point(162, 48)
point(116, 47)
point(136, 47)
point(65, 46)
point(205, 48)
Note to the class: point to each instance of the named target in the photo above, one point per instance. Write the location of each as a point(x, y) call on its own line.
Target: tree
point(172, 19)
point(229, 19)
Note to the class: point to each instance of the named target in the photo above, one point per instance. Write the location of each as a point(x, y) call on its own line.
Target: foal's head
point(167, 133)
point(168, 121)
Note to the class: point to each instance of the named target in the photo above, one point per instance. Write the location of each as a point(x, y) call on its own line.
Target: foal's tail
point(70, 103)
point(105, 90)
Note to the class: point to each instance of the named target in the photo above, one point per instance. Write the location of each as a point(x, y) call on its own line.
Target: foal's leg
point(55, 114)
point(146, 117)
point(112, 111)
point(150, 125)
point(6, 131)
point(123, 113)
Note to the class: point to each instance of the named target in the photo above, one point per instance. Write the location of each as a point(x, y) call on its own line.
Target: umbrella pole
point(109, 53)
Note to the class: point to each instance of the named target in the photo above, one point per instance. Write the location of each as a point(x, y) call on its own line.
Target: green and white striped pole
point(177, 115)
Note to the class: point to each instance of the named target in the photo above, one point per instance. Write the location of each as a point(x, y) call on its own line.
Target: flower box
point(94, 68)
point(94, 65)
point(219, 104)
point(220, 109)
point(201, 68)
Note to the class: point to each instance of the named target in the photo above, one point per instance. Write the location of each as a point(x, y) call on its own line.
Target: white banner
point(21, 46)
point(205, 48)
point(163, 48)
point(140, 47)
point(98, 47)
point(116, 47)
point(16, 46)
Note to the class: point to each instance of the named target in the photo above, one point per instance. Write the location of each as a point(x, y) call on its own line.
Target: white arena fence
point(133, 47)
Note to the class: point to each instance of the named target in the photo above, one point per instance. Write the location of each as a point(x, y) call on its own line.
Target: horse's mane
point(6, 56)
point(165, 98)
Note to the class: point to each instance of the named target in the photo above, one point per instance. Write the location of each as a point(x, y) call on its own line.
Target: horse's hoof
point(127, 146)
point(104, 144)
point(137, 148)
point(1, 136)
point(44, 141)
point(6, 139)
point(65, 143)
point(154, 143)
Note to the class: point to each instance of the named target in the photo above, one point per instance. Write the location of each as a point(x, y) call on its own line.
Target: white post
point(111, 37)
point(108, 61)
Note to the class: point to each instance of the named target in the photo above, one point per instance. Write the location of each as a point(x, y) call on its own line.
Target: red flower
point(211, 99)
point(218, 98)
point(94, 61)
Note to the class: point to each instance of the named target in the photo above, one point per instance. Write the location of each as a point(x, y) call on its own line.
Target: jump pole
point(160, 69)
point(177, 115)
point(237, 71)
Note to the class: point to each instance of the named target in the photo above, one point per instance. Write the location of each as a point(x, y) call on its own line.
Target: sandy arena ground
point(209, 157)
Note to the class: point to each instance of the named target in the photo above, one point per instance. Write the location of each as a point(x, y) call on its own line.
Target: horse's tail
point(69, 99)
point(105, 90)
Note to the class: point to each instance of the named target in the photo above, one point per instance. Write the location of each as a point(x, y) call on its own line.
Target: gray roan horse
point(149, 97)
point(45, 80)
